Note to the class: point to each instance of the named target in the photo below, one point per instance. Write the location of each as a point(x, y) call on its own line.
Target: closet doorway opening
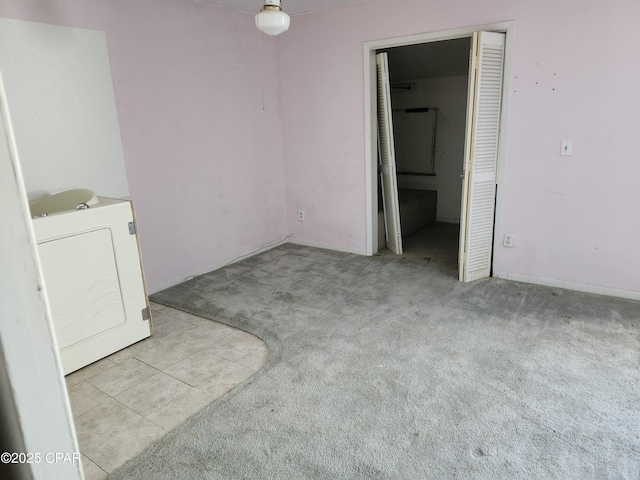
point(429, 85)
point(435, 107)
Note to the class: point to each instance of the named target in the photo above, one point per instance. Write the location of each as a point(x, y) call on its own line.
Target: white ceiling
point(292, 7)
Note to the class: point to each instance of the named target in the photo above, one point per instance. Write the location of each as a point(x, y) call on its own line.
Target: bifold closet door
point(386, 155)
point(481, 155)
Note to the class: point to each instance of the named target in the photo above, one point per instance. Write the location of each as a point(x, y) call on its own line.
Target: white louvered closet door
point(481, 152)
point(387, 158)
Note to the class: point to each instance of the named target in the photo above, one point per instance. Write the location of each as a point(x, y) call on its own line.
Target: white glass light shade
point(272, 22)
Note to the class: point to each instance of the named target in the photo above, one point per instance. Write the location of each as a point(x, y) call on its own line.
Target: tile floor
point(125, 402)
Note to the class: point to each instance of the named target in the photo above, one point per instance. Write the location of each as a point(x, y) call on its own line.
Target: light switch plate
point(567, 147)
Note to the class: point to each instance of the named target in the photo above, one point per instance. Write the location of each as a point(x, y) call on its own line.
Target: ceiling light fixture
point(271, 19)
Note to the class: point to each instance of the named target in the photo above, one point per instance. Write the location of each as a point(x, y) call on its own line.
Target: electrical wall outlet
point(508, 240)
point(301, 214)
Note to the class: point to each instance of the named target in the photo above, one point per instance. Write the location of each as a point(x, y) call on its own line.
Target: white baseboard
point(326, 246)
point(176, 281)
point(579, 287)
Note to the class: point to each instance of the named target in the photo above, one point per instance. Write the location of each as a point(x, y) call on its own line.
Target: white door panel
point(481, 155)
point(386, 152)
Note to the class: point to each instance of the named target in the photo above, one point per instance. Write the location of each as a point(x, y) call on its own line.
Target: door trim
point(370, 102)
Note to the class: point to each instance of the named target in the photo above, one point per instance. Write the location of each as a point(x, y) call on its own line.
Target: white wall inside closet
point(449, 95)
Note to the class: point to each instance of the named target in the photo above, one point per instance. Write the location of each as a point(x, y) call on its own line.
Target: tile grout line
point(94, 462)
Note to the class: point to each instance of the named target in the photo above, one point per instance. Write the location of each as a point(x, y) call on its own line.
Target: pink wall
point(188, 82)
point(574, 77)
point(202, 146)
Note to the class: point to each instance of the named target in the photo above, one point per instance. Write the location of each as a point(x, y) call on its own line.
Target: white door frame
point(39, 403)
point(370, 113)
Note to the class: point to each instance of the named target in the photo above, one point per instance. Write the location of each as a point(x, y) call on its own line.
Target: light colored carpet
point(384, 368)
